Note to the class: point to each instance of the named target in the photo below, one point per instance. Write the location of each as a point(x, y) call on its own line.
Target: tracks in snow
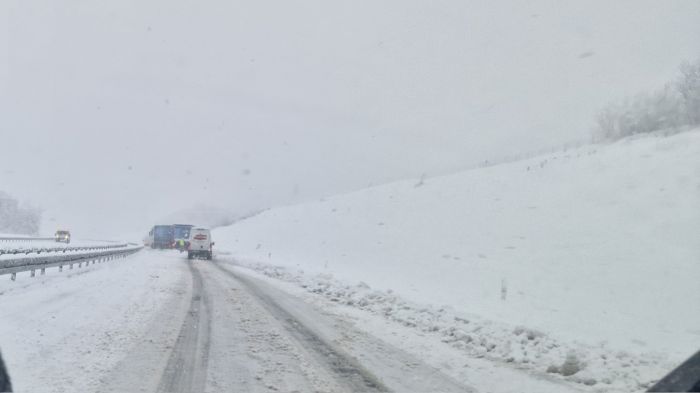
point(186, 369)
point(346, 370)
point(242, 334)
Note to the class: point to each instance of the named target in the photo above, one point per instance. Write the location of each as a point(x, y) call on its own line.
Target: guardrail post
point(71, 266)
point(31, 274)
point(13, 276)
point(43, 271)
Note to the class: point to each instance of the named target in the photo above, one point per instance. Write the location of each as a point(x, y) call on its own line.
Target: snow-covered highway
point(156, 322)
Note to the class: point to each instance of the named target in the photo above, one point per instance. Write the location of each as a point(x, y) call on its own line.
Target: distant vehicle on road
point(62, 236)
point(200, 245)
point(161, 236)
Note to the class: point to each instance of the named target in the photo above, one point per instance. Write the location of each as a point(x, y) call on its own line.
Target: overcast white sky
point(116, 113)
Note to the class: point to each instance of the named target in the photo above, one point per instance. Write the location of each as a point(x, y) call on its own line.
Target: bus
point(161, 236)
point(181, 231)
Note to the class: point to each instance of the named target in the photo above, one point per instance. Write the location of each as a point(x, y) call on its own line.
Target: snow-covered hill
point(596, 246)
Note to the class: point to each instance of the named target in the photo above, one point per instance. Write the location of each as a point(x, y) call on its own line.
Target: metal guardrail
point(31, 264)
point(24, 239)
point(39, 250)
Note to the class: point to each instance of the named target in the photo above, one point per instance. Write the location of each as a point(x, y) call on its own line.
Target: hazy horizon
point(113, 119)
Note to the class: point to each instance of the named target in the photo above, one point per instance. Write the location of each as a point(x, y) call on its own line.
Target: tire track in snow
point(348, 371)
point(186, 370)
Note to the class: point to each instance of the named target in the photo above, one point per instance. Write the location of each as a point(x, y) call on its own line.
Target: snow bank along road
point(156, 322)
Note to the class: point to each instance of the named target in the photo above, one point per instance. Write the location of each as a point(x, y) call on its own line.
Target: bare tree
point(18, 219)
point(669, 108)
point(689, 87)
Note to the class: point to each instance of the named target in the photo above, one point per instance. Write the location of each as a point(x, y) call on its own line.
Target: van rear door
point(200, 239)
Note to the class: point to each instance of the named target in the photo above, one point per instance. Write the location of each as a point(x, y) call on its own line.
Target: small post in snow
point(32, 274)
point(60, 268)
point(43, 271)
point(13, 276)
point(504, 289)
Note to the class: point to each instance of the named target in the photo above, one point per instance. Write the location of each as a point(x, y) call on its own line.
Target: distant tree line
point(673, 107)
point(16, 219)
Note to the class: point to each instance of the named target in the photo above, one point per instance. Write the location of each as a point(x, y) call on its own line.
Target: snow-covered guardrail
point(39, 250)
point(13, 266)
point(23, 239)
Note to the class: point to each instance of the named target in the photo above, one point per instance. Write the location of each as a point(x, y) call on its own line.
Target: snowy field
point(583, 261)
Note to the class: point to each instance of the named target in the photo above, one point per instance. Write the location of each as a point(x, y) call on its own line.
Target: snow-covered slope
point(596, 245)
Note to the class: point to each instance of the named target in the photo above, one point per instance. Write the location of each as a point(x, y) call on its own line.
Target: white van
point(200, 244)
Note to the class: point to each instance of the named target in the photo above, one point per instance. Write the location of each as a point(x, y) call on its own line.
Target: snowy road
point(156, 322)
point(241, 332)
point(160, 323)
